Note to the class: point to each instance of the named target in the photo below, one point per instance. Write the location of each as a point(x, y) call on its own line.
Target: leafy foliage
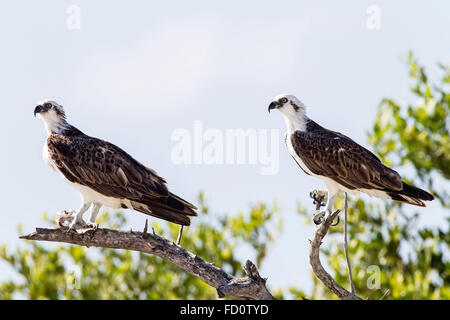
point(419, 134)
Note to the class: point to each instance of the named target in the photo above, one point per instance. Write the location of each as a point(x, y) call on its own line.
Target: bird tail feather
point(171, 208)
point(410, 194)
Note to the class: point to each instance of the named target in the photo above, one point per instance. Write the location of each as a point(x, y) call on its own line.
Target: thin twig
point(385, 294)
point(144, 233)
point(180, 233)
point(349, 267)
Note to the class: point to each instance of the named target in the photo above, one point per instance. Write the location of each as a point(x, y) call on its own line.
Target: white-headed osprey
point(104, 174)
point(340, 162)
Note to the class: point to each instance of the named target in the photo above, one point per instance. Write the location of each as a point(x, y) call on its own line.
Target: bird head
point(288, 104)
point(52, 114)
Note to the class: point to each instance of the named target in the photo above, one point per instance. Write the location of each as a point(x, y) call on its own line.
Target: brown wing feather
point(104, 167)
point(112, 172)
point(336, 156)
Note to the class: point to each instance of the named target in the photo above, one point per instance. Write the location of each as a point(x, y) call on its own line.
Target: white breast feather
point(296, 157)
point(47, 160)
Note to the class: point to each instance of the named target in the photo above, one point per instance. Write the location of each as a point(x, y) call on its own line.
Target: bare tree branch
point(250, 287)
point(314, 253)
point(320, 197)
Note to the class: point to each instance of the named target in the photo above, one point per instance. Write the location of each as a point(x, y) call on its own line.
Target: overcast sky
point(134, 73)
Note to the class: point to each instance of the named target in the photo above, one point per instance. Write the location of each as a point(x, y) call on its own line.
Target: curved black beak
point(38, 109)
point(273, 105)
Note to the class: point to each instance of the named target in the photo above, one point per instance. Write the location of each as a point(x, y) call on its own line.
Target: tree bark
point(251, 287)
point(318, 269)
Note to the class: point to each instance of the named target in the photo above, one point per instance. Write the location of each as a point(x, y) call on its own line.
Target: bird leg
point(79, 216)
point(329, 206)
point(94, 212)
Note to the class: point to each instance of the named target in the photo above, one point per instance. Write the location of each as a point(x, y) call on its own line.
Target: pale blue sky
point(136, 72)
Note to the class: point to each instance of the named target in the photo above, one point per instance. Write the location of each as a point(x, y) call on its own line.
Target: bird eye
point(48, 105)
point(284, 100)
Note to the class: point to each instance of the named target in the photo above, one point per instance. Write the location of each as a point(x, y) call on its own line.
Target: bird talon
point(92, 225)
point(318, 196)
point(318, 217)
point(76, 225)
point(337, 222)
point(70, 229)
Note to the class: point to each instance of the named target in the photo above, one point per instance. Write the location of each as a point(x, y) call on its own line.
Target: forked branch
point(314, 253)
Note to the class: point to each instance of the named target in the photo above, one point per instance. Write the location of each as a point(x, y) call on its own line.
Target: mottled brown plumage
point(112, 172)
point(334, 155)
point(331, 154)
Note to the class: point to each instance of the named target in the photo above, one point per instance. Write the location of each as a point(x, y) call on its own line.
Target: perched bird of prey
point(340, 162)
point(104, 174)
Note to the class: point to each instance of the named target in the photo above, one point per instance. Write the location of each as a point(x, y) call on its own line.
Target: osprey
point(104, 174)
point(340, 162)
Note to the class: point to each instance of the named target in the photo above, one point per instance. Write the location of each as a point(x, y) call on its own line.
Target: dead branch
point(317, 267)
point(250, 287)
